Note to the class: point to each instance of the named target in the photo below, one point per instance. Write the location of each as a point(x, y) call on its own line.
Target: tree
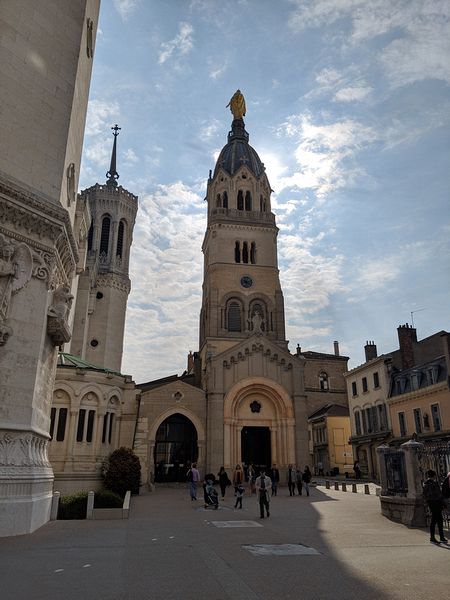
point(122, 472)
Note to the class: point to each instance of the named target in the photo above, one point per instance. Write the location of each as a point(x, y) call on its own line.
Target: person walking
point(357, 469)
point(299, 480)
point(238, 477)
point(251, 475)
point(292, 479)
point(239, 495)
point(306, 478)
point(193, 476)
point(224, 481)
point(275, 477)
point(434, 498)
point(263, 484)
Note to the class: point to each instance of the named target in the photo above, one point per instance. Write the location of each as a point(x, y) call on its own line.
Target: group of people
point(298, 479)
point(438, 499)
point(264, 485)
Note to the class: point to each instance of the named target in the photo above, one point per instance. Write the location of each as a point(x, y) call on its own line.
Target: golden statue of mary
point(237, 105)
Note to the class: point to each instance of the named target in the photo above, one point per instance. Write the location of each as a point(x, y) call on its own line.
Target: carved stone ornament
point(255, 406)
point(23, 450)
point(57, 316)
point(16, 267)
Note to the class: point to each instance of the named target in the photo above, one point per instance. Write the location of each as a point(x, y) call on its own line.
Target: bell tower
point(241, 286)
point(105, 284)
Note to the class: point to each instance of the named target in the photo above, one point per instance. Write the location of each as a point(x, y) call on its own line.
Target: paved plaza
point(331, 545)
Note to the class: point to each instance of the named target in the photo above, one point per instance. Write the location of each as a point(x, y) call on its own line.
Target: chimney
point(190, 362)
point(407, 337)
point(336, 348)
point(197, 369)
point(371, 350)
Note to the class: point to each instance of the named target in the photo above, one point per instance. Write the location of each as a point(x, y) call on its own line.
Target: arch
point(276, 416)
point(104, 236)
point(201, 435)
point(245, 252)
point(225, 200)
point(324, 382)
point(248, 200)
point(120, 238)
point(240, 200)
point(234, 315)
point(253, 253)
point(176, 445)
point(237, 252)
point(256, 306)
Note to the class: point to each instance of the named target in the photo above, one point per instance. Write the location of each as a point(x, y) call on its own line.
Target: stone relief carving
point(16, 266)
point(57, 316)
point(23, 450)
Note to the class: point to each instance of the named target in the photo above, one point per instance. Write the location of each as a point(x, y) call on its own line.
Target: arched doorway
point(259, 424)
point(175, 446)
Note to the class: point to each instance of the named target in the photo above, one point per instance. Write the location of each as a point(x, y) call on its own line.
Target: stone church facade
point(244, 397)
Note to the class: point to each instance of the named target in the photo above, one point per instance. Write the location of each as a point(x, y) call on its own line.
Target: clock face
point(246, 281)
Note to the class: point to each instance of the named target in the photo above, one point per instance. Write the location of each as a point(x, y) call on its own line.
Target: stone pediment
point(256, 345)
point(177, 389)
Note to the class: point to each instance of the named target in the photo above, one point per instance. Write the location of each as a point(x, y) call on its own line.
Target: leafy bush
point(107, 499)
point(122, 472)
point(73, 507)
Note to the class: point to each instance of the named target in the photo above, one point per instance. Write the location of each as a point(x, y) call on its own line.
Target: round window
point(94, 343)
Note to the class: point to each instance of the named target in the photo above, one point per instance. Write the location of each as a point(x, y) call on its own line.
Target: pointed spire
point(112, 174)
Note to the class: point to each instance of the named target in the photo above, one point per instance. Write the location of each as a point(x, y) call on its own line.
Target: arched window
point(218, 201)
point(323, 381)
point(237, 252)
point(245, 252)
point(248, 201)
point(120, 236)
point(86, 418)
point(261, 203)
point(91, 235)
point(225, 200)
point(104, 238)
point(240, 200)
point(176, 448)
point(253, 253)
point(234, 316)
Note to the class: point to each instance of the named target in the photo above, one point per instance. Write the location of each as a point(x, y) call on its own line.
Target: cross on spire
point(112, 174)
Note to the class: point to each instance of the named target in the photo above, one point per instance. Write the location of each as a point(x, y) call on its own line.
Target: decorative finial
point(112, 174)
point(237, 105)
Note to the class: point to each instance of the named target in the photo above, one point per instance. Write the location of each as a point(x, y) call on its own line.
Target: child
point(240, 491)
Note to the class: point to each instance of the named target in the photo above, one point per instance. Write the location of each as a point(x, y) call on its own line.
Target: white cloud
point(100, 116)
point(326, 154)
point(421, 47)
point(99, 151)
point(130, 156)
point(352, 94)
point(166, 271)
point(216, 72)
point(180, 45)
point(126, 7)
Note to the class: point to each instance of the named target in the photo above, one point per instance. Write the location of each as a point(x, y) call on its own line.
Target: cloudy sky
point(348, 107)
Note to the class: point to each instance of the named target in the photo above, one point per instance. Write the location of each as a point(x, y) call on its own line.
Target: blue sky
point(348, 106)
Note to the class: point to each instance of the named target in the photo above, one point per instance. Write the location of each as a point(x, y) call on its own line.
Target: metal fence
point(436, 457)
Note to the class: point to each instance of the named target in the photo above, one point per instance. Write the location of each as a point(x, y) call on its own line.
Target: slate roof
point(75, 362)
point(330, 410)
point(238, 152)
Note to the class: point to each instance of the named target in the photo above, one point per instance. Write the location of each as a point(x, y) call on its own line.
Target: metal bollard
point(327, 485)
point(336, 485)
point(366, 488)
point(354, 488)
point(344, 487)
point(90, 506)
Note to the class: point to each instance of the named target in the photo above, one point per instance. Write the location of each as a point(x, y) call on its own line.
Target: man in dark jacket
point(275, 477)
point(433, 497)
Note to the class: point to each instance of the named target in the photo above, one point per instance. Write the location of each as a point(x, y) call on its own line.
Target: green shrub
point(107, 499)
point(73, 507)
point(122, 472)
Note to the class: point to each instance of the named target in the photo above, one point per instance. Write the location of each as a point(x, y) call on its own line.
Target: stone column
point(381, 452)
point(37, 263)
point(413, 474)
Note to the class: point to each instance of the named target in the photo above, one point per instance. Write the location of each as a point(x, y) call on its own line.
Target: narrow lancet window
point(253, 253)
point(225, 200)
point(245, 252)
point(237, 252)
point(120, 236)
point(240, 200)
point(104, 239)
point(248, 201)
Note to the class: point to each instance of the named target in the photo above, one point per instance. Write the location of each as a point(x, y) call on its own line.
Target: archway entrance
point(175, 447)
point(256, 448)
